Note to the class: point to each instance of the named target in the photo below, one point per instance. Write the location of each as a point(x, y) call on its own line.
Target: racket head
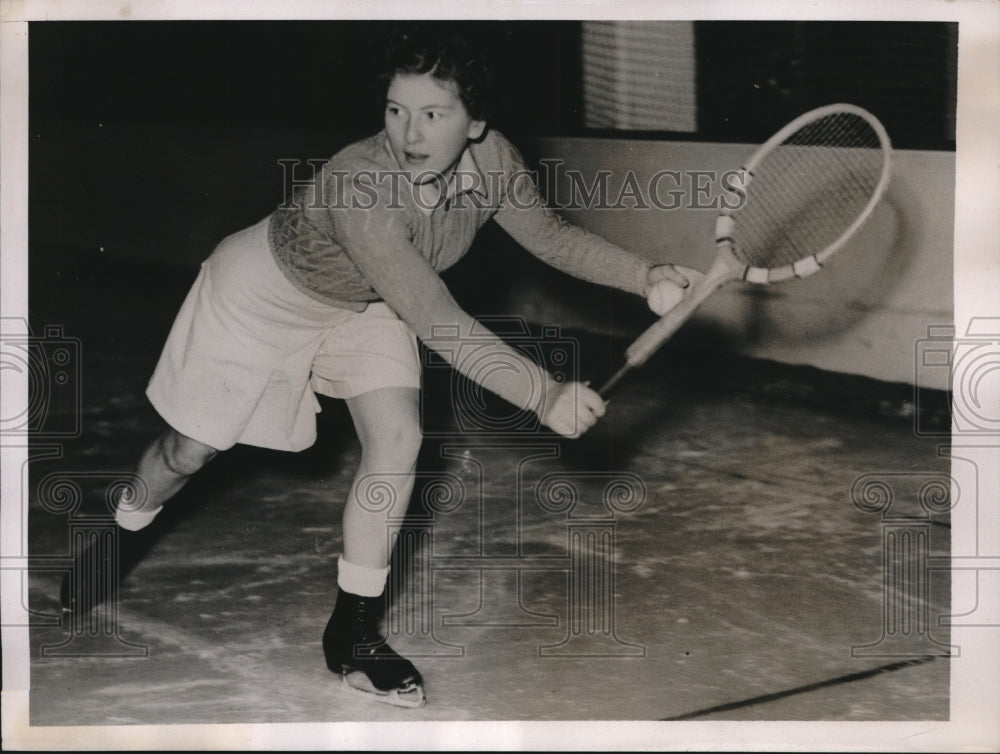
point(801, 196)
point(805, 192)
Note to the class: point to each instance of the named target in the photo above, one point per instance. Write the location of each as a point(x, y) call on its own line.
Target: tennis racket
point(795, 203)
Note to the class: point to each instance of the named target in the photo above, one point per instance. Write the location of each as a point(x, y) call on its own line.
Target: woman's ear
point(476, 130)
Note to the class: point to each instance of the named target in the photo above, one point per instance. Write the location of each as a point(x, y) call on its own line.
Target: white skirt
point(248, 352)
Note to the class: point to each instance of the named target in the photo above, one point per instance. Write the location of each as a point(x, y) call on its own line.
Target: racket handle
point(657, 333)
point(610, 385)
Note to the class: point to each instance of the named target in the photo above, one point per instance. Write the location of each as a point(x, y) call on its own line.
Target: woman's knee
point(184, 455)
point(388, 425)
point(396, 443)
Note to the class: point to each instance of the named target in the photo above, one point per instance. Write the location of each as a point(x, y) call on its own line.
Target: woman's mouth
point(415, 158)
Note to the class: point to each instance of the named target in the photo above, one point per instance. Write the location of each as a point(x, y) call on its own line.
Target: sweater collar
point(467, 178)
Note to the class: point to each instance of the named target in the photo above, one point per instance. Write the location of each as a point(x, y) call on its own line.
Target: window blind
point(639, 75)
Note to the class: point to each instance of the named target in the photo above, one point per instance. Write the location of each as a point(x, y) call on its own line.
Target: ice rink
point(714, 549)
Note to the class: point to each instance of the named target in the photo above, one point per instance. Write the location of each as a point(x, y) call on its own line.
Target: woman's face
point(427, 125)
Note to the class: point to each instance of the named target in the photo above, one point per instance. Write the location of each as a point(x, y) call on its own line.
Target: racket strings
point(814, 197)
point(806, 172)
point(808, 191)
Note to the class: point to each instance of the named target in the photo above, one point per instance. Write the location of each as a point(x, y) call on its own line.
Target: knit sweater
point(360, 232)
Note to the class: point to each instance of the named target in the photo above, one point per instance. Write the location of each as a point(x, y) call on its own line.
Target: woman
point(329, 294)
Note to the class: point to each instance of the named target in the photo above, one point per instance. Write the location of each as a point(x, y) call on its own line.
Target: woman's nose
point(412, 131)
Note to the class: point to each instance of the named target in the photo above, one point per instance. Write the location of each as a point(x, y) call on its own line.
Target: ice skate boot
point(100, 566)
point(356, 650)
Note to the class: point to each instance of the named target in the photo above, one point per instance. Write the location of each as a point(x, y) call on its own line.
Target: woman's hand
point(572, 408)
point(667, 284)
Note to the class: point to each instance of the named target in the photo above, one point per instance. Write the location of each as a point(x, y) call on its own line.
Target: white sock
point(359, 580)
point(135, 520)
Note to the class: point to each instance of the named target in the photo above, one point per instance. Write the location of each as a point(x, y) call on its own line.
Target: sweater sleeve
point(549, 237)
point(375, 234)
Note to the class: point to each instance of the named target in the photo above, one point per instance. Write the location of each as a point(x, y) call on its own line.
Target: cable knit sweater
point(359, 233)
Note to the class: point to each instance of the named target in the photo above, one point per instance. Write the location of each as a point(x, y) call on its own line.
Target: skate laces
point(367, 633)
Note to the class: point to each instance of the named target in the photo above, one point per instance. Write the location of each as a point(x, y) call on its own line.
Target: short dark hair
point(444, 51)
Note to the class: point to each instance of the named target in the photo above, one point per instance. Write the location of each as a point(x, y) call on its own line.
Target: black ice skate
point(355, 649)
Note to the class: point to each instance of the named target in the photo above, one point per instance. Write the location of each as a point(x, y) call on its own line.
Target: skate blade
point(357, 683)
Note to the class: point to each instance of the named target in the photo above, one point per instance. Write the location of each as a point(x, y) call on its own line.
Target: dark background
point(755, 76)
point(752, 76)
point(279, 74)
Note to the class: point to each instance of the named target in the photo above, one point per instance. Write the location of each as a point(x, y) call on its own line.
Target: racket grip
point(656, 334)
